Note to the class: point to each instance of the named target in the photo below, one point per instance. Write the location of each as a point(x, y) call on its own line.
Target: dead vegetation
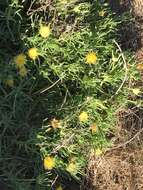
point(137, 9)
point(121, 167)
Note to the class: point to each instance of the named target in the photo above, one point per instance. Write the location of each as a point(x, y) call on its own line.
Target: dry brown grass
point(116, 170)
point(137, 8)
point(121, 167)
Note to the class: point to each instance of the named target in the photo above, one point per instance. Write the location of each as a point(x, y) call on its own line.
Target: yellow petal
point(83, 117)
point(91, 58)
point(33, 53)
point(44, 31)
point(98, 152)
point(102, 13)
point(49, 163)
point(140, 66)
point(71, 167)
point(20, 60)
point(59, 188)
point(94, 128)
point(136, 91)
point(55, 123)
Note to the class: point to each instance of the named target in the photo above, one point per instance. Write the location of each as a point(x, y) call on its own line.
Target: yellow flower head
point(102, 13)
point(83, 117)
point(33, 53)
point(140, 66)
point(22, 71)
point(9, 82)
point(91, 58)
point(98, 152)
point(44, 31)
point(55, 123)
point(20, 60)
point(59, 188)
point(71, 168)
point(49, 163)
point(94, 128)
point(136, 91)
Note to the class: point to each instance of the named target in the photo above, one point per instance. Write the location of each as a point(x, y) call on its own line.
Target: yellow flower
point(102, 13)
point(33, 53)
point(91, 58)
point(44, 31)
point(20, 60)
point(136, 91)
point(49, 163)
point(94, 128)
point(59, 188)
point(98, 152)
point(83, 117)
point(9, 82)
point(140, 66)
point(22, 71)
point(71, 168)
point(55, 123)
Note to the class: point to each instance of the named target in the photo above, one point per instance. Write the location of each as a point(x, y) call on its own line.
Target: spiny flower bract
point(71, 168)
point(102, 13)
point(22, 71)
point(9, 82)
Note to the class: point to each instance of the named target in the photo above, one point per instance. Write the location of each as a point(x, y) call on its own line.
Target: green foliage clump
point(60, 101)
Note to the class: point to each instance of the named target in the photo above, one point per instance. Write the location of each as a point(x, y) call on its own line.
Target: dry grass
point(120, 168)
point(116, 170)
